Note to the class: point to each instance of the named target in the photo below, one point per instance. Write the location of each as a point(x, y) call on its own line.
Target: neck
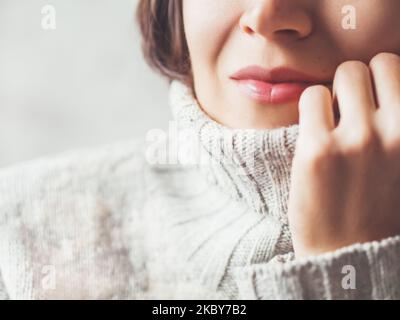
point(253, 166)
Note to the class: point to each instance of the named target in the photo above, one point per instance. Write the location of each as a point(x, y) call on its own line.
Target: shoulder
point(109, 170)
point(77, 212)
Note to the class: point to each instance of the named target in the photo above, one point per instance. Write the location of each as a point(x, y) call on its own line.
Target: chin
point(262, 116)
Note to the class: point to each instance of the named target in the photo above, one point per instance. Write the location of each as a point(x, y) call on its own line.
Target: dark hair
point(164, 43)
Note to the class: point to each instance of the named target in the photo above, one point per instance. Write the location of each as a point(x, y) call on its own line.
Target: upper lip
point(275, 75)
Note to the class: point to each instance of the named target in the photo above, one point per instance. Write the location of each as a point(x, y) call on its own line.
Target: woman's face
point(251, 59)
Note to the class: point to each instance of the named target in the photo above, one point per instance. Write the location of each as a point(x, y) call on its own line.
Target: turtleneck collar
point(250, 165)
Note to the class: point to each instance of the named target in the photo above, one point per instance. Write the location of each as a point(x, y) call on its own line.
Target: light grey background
point(83, 84)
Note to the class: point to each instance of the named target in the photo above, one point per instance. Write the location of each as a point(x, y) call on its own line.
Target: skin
point(351, 168)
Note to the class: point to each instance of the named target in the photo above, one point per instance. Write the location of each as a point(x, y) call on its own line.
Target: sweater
point(199, 212)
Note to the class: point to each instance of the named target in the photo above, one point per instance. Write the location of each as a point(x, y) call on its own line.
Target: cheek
point(207, 25)
point(377, 27)
point(384, 24)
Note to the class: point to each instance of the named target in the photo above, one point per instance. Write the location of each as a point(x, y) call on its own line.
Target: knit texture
point(207, 220)
point(253, 165)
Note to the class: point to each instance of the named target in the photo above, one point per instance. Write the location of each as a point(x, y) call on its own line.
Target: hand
point(345, 185)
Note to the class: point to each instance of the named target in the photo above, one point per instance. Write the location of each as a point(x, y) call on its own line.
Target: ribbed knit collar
point(250, 165)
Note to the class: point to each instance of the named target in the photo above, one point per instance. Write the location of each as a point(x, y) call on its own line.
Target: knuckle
point(394, 148)
point(363, 142)
point(319, 154)
point(312, 93)
point(392, 143)
point(350, 68)
point(316, 90)
point(385, 59)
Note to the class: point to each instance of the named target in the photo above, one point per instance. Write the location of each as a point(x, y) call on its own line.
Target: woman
point(280, 182)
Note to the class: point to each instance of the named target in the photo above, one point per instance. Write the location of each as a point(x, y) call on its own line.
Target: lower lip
point(272, 93)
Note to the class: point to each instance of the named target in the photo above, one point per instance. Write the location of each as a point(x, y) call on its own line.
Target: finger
point(316, 112)
point(385, 69)
point(353, 90)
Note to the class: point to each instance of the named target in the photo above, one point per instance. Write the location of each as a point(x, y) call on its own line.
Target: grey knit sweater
point(201, 214)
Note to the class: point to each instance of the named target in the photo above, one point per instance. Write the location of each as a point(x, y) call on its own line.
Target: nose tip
point(275, 18)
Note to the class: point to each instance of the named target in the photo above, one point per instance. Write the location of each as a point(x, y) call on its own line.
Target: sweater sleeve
point(361, 271)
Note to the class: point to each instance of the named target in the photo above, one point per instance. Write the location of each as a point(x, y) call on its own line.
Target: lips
point(273, 86)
